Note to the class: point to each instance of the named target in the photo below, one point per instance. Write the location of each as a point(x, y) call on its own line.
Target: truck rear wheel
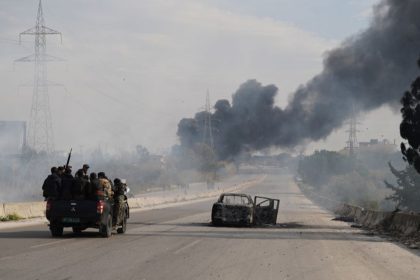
point(123, 227)
point(56, 230)
point(106, 229)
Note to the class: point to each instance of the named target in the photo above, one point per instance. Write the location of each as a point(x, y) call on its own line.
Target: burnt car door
point(265, 210)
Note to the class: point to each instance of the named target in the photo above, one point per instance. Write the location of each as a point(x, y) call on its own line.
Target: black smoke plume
point(367, 71)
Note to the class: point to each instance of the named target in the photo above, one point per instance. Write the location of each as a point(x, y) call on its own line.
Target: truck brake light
point(100, 207)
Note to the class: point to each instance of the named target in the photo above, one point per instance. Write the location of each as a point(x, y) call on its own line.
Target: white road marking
point(187, 246)
point(49, 243)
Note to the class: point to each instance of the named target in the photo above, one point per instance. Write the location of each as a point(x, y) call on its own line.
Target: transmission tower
point(208, 129)
point(40, 133)
point(352, 143)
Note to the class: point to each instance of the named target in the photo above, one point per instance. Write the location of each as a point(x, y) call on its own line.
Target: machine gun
point(68, 159)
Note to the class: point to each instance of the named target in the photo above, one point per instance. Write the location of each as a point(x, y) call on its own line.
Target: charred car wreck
point(241, 209)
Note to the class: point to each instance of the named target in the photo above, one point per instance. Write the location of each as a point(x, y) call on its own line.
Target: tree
point(407, 192)
point(318, 168)
point(410, 125)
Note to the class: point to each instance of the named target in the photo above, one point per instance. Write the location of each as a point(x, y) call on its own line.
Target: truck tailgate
point(74, 209)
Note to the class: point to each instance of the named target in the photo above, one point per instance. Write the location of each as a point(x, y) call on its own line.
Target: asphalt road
point(179, 243)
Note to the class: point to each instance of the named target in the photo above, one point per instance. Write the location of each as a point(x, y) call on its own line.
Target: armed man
point(67, 184)
point(52, 185)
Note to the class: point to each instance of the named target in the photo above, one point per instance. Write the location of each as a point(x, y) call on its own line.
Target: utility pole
point(208, 129)
point(352, 142)
point(40, 132)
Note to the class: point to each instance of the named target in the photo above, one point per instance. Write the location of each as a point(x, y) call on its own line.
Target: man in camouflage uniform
point(119, 199)
point(106, 185)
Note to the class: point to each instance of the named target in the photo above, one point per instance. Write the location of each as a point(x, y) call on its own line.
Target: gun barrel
point(68, 158)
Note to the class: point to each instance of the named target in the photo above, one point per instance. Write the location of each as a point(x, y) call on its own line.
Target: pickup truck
point(83, 214)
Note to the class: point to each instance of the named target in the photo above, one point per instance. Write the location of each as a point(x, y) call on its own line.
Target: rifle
point(68, 159)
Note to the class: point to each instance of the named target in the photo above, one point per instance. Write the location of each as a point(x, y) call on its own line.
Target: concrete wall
point(2, 213)
point(401, 223)
point(23, 209)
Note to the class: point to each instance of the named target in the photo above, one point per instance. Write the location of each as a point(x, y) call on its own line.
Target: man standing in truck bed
point(83, 172)
point(67, 184)
point(119, 199)
point(52, 185)
point(106, 185)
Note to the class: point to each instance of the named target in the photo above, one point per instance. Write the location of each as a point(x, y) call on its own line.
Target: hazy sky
point(133, 69)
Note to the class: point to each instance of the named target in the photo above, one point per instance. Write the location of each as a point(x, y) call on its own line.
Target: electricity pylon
point(40, 133)
point(352, 143)
point(208, 129)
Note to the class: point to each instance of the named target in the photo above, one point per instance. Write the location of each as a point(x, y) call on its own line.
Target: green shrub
point(10, 217)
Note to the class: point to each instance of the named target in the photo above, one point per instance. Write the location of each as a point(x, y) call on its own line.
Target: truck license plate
point(71, 220)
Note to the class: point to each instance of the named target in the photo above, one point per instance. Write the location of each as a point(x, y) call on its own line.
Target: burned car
point(241, 209)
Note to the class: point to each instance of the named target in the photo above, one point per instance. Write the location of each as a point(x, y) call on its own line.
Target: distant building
point(372, 144)
point(375, 142)
point(12, 137)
